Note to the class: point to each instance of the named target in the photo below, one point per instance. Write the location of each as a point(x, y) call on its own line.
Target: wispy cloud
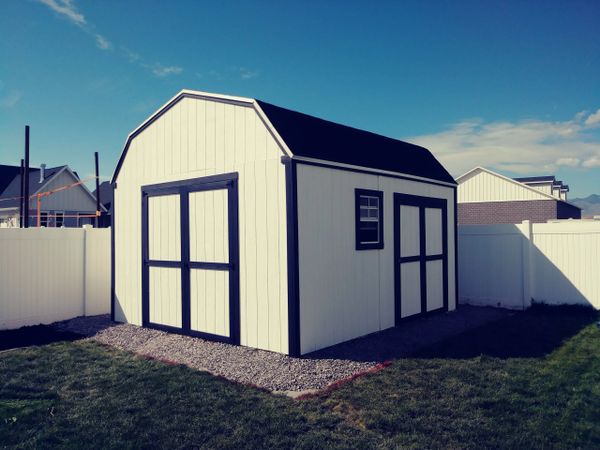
point(11, 100)
point(163, 71)
point(247, 74)
point(593, 119)
point(67, 9)
point(524, 147)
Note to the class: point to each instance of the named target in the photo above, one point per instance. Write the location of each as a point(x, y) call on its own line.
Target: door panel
point(209, 296)
point(164, 227)
point(433, 227)
point(409, 231)
point(209, 238)
point(410, 290)
point(165, 296)
point(435, 285)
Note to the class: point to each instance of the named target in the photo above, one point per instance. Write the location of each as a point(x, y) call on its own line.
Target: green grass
point(528, 381)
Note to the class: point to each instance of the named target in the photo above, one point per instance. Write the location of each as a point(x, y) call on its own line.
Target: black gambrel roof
point(311, 137)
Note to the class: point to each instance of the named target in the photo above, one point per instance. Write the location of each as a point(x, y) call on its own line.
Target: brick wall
point(482, 213)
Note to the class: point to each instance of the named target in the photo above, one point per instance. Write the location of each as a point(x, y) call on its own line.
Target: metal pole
point(21, 195)
point(97, 190)
point(26, 179)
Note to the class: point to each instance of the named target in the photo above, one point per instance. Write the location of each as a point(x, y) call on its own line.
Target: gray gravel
point(277, 372)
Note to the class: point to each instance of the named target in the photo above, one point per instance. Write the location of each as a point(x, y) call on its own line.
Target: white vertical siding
point(345, 293)
point(197, 138)
point(482, 186)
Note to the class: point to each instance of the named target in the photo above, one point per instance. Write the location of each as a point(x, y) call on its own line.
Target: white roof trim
point(370, 169)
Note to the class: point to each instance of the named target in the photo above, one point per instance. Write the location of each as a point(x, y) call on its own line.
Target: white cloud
point(163, 71)
point(593, 119)
point(525, 147)
point(102, 42)
point(11, 99)
point(67, 9)
point(246, 74)
point(592, 162)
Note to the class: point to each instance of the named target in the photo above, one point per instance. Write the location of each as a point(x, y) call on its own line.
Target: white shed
point(244, 222)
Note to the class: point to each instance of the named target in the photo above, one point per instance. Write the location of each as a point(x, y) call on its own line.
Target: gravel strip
point(274, 371)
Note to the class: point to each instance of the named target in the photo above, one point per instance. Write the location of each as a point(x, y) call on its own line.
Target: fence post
point(526, 255)
point(86, 229)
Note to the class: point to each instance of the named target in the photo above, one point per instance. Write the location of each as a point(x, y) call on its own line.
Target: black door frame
point(422, 258)
point(183, 188)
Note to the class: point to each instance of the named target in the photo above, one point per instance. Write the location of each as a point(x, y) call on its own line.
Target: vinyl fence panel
point(512, 265)
point(50, 274)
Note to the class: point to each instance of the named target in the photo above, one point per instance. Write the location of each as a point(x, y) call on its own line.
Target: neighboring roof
point(306, 136)
point(106, 194)
point(7, 174)
point(542, 179)
point(478, 169)
point(13, 188)
point(10, 179)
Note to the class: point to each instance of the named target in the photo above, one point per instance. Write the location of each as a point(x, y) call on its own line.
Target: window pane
point(374, 201)
point(364, 213)
point(369, 232)
point(374, 213)
point(364, 201)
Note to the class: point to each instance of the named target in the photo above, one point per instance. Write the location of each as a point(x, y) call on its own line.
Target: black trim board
point(112, 256)
point(183, 188)
point(455, 247)
point(293, 272)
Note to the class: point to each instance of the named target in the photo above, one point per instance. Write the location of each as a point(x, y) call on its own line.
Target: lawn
point(528, 381)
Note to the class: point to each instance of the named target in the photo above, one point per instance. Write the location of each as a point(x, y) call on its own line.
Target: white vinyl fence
point(50, 274)
point(512, 265)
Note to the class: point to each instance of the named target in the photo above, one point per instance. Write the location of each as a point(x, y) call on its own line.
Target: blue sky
point(513, 86)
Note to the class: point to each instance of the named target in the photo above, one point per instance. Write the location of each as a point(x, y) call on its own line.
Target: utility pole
point(21, 194)
point(26, 179)
point(97, 190)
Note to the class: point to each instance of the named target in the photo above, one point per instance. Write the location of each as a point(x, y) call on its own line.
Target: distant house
point(106, 198)
point(486, 197)
point(70, 207)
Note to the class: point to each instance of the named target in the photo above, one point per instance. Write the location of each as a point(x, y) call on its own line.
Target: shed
point(244, 222)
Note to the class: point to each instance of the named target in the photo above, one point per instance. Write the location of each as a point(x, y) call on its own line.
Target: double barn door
point(420, 255)
point(190, 257)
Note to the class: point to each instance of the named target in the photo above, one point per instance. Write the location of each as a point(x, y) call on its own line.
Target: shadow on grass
point(534, 333)
point(34, 335)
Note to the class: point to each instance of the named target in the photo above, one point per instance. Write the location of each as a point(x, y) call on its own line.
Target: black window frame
point(358, 193)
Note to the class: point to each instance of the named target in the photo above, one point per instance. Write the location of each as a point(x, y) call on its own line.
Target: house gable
point(483, 185)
